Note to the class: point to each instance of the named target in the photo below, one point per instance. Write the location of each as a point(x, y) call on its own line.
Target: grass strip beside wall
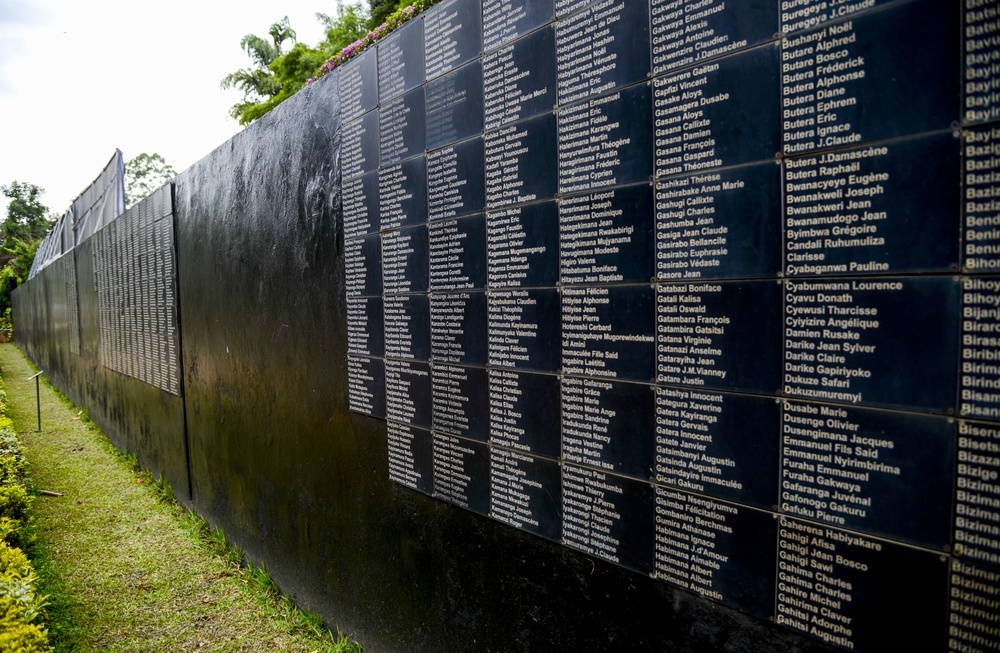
point(127, 569)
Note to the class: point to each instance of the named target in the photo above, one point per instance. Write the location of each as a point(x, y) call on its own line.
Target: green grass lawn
point(126, 569)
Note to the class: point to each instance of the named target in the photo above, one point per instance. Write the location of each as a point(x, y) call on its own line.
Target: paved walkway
point(126, 571)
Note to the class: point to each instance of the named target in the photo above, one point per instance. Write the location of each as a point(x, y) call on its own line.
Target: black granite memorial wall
point(729, 242)
point(103, 327)
point(591, 325)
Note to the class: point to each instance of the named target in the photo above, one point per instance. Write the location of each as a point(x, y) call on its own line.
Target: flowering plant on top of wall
point(392, 22)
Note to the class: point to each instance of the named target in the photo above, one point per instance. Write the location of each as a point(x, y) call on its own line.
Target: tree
point(18, 256)
point(276, 76)
point(22, 255)
point(144, 174)
point(350, 24)
point(290, 72)
point(258, 83)
point(22, 232)
point(26, 215)
point(379, 10)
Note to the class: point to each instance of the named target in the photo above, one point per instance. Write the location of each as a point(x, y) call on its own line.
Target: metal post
point(38, 398)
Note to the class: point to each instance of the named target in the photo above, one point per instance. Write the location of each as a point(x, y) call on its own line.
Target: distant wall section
point(101, 322)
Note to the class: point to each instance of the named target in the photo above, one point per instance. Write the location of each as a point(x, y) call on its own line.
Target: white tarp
point(98, 205)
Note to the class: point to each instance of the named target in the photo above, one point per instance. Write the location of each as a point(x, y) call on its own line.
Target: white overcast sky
point(79, 78)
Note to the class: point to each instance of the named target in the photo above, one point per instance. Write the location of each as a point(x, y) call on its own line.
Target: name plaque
point(361, 205)
point(879, 209)
point(461, 401)
point(363, 264)
point(401, 60)
point(834, 76)
point(521, 162)
point(609, 517)
point(684, 33)
point(523, 246)
point(134, 280)
point(504, 20)
point(724, 335)
point(359, 85)
point(455, 106)
point(365, 330)
point(458, 253)
point(749, 250)
point(973, 626)
point(519, 80)
point(525, 492)
point(402, 126)
point(411, 457)
point(458, 328)
point(883, 472)
point(719, 113)
point(719, 224)
point(453, 34)
point(603, 47)
point(402, 194)
point(521, 415)
point(979, 389)
point(366, 385)
point(456, 180)
point(408, 392)
point(606, 141)
point(702, 444)
point(564, 7)
point(977, 518)
point(607, 237)
point(857, 592)
point(609, 332)
point(525, 329)
point(360, 145)
point(602, 422)
point(461, 472)
point(407, 327)
point(405, 260)
point(713, 548)
point(846, 339)
point(982, 85)
point(809, 14)
point(158, 303)
point(981, 208)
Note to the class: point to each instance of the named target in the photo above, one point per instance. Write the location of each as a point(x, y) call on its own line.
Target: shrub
point(14, 502)
point(10, 532)
point(10, 444)
point(19, 605)
point(14, 498)
point(17, 633)
point(14, 565)
point(12, 462)
point(392, 22)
